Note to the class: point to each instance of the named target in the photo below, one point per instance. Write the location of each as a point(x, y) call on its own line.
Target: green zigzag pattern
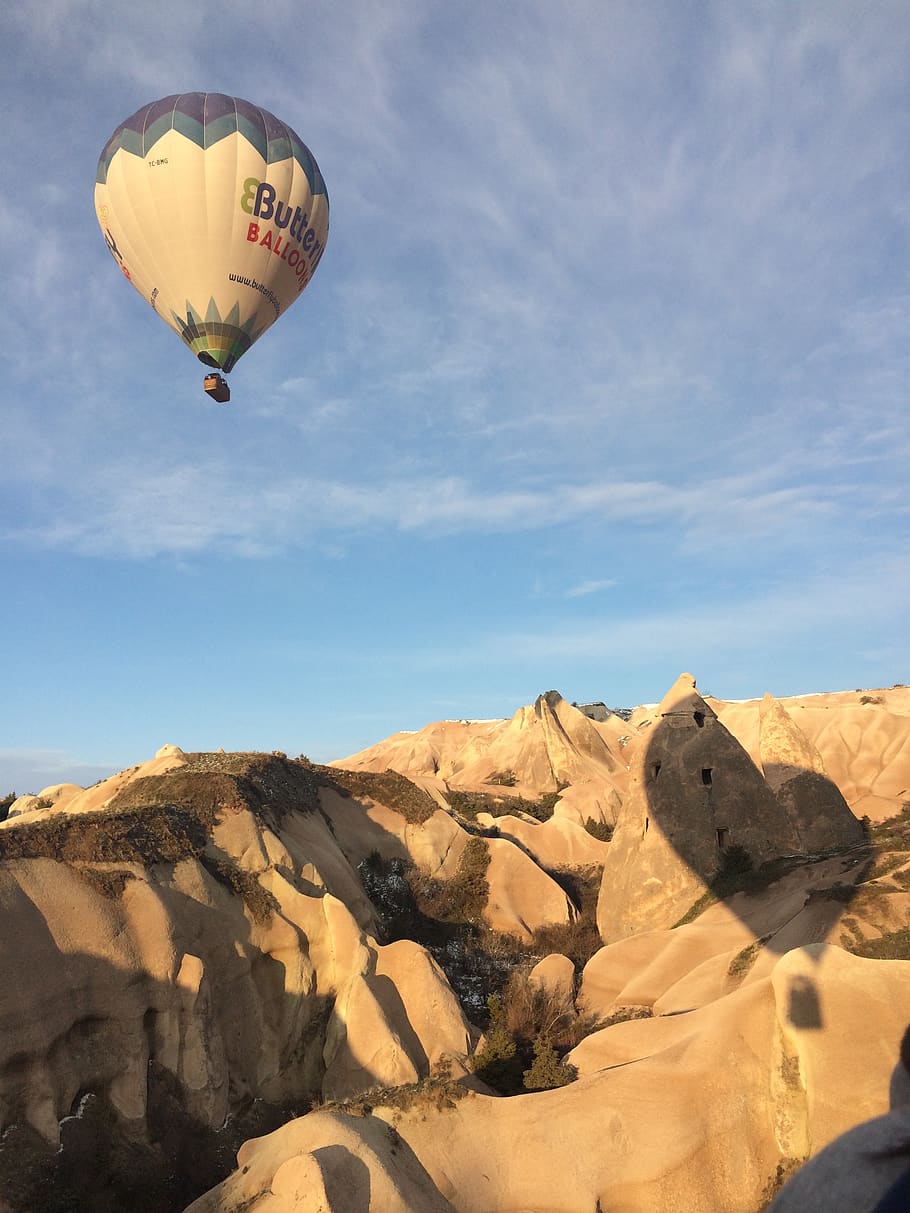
point(216, 342)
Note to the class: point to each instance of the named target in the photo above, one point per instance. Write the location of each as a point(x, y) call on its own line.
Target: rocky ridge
point(209, 947)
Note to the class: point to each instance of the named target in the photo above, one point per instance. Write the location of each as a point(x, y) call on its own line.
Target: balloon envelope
point(218, 215)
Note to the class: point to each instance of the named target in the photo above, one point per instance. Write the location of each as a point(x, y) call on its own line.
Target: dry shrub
point(387, 788)
point(532, 1027)
point(108, 882)
point(893, 946)
point(601, 830)
point(627, 1013)
point(157, 834)
point(532, 1009)
point(467, 805)
point(260, 902)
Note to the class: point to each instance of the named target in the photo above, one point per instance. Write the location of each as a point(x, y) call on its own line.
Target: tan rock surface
point(690, 1112)
point(556, 974)
point(328, 1162)
point(543, 747)
point(863, 738)
point(693, 792)
point(522, 896)
point(795, 772)
point(235, 969)
point(247, 965)
point(556, 843)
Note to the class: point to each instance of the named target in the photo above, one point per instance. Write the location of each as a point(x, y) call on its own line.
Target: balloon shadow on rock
point(702, 823)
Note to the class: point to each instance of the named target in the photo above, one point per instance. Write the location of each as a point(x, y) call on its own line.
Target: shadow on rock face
point(346, 1179)
point(702, 823)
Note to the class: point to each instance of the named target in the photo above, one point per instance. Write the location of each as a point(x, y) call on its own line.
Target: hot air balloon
point(217, 214)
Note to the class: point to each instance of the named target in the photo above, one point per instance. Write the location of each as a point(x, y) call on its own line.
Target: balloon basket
point(216, 386)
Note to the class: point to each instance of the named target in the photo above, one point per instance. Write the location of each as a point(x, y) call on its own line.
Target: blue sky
point(603, 376)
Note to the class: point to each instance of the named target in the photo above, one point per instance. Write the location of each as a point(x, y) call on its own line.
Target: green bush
point(735, 861)
point(547, 1071)
point(531, 1027)
point(497, 1063)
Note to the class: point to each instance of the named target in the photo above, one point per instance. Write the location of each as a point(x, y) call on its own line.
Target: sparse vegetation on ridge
point(601, 830)
point(258, 900)
point(388, 788)
point(268, 785)
point(438, 1092)
point(107, 882)
point(751, 880)
point(157, 834)
point(467, 805)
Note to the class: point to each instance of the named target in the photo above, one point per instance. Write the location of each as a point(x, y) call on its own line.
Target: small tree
point(547, 1071)
point(497, 1062)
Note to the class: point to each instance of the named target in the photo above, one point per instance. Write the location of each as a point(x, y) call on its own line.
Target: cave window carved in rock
point(707, 776)
point(721, 836)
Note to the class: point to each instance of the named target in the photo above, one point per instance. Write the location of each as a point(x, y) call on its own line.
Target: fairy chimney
point(694, 792)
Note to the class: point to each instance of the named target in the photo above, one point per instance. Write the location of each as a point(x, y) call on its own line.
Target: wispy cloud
point(585, 588)
point(138, 510)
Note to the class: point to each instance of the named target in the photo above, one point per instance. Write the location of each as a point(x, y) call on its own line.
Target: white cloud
point(585, 588)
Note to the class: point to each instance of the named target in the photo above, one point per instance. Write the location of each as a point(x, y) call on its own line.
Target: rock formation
point(205, 945)
point(863, 738)
point(795, 772)
point(542, 748)
point(699, 1112)
point(694, 793)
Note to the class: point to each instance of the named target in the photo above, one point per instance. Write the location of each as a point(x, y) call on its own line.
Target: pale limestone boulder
point(640, 971)
point(409, 976)
point(590, 798)
point(99, 796)
point(327, 1162)
point(232, 985)
point(556, 843)
point(522, 897)
point(548, 745)
point(863, 738)
point(362, 825)
point(436, 750)
point(171, 751)
point(24, 809)
point(543, 746)
point(689, 966)
point(555, 974)
point(393, 1023)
